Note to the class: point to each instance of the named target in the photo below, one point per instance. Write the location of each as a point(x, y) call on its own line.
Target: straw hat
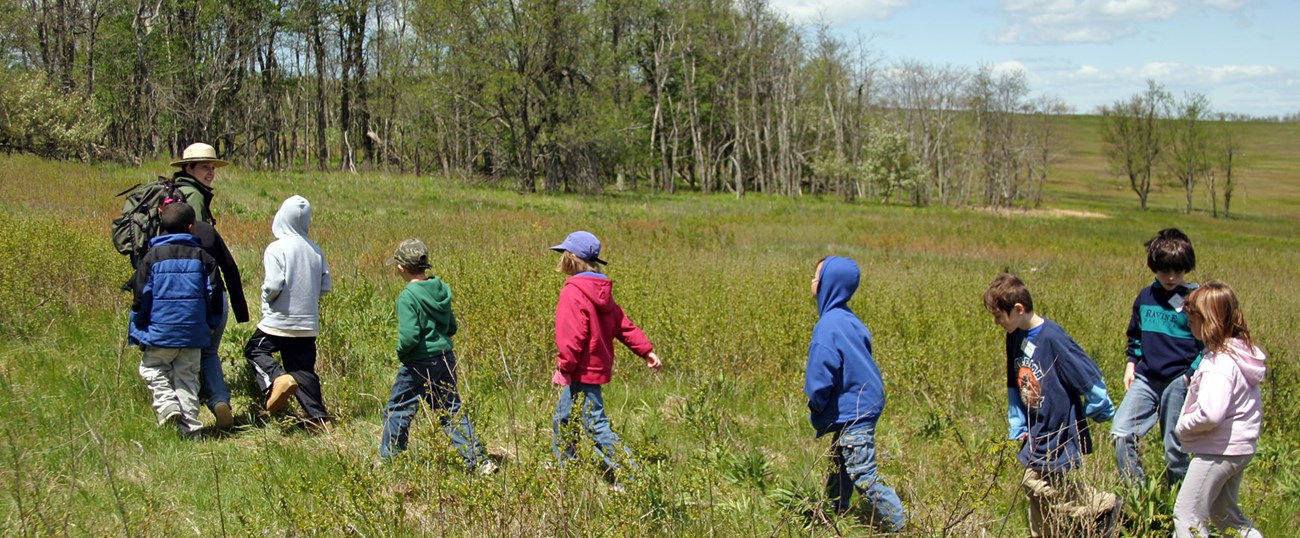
point(199, 152)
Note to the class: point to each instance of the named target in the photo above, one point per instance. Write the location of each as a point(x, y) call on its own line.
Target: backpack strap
point(128, 191)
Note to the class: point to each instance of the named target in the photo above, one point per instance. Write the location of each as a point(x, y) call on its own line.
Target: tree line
point(581, 96)
point(1152, 135)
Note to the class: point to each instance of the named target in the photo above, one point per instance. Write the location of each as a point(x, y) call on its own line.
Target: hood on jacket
point(598, 289)
point(1250, 360)
point(174, 239)
point(293, 218)
point(838, 283)
point(433, 296)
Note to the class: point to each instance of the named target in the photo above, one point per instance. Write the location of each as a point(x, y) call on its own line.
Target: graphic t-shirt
point(1049, 376)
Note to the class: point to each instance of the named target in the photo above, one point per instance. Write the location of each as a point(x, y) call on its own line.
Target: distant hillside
point(1268, 174)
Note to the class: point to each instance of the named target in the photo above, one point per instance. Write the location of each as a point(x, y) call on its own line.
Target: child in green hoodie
point(425, 325)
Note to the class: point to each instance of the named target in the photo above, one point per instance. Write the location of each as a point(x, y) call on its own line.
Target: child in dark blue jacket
point(846, 395)
point(1161, 354)
point(172, 317)
point(1053, 387)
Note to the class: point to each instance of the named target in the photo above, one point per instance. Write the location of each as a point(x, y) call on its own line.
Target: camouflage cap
point(411, 254)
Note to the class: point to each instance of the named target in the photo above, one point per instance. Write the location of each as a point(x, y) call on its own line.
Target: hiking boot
point(1109, 522)
point(281, 389)
point(225, 419)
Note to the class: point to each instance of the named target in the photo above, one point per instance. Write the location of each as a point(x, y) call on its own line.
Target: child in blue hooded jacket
point(173, 314)
point(846, 395)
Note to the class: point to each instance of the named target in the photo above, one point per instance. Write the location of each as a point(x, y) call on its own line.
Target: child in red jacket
point(587, 321)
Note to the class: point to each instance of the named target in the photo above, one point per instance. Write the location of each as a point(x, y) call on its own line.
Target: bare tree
point(1188, 158)
point(1134, 134)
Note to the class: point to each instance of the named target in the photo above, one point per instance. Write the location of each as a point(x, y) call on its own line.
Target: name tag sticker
point(1028, 348)
point(1176, 302)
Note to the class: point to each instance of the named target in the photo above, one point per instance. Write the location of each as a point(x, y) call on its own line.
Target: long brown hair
point(1215, 307)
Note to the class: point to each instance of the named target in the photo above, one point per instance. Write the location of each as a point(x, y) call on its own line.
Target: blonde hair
point(571, 265)
point(1215, 307)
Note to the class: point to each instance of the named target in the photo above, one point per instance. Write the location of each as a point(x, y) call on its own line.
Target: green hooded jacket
point(425, 323)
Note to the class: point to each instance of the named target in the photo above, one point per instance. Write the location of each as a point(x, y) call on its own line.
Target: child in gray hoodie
point(296, 277)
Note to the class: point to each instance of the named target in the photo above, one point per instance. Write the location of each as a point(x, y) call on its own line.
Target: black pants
point(299, 357)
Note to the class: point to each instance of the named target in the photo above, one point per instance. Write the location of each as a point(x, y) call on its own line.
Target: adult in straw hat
point(198, 167)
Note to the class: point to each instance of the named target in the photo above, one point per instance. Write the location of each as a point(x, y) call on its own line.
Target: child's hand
point(652, 360)
point(560, 378)
point(1130, 373)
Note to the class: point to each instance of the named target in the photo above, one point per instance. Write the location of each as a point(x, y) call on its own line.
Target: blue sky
point(1242, 54)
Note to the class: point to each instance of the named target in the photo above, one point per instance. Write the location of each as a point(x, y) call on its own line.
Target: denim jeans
point(434, 381)
point(854, 459)
point(1144, 405)
point(608, 443)
point(212, 380)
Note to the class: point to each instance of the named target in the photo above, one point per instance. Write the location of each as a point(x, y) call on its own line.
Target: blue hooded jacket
point(842, 381)
point(175, 305)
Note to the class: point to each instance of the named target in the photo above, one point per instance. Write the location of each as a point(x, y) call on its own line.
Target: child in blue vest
point(172, 317)
point(1052, 388)
point(1161, 352)
point(846, 395)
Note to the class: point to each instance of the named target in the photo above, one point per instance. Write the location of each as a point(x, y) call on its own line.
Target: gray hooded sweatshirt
point(296, 274)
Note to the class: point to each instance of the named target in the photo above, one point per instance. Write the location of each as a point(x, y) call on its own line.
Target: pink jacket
point(587, 321)
point(1223, 410)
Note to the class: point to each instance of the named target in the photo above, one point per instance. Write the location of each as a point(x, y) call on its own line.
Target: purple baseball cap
point(583, 245)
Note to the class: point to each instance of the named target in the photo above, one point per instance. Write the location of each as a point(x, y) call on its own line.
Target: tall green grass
point(720, 285)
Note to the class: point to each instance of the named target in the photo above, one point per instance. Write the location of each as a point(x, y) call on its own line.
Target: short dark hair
point(1005, 292)
point(1170, 250)
point(176, 217)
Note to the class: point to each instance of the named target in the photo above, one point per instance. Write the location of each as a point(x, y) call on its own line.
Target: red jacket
point(586, 323)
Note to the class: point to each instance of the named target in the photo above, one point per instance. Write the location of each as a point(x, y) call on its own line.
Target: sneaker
point(281, 389)
point(487, 468)
point(225, 419)
point(319, 425)
point(172, 418)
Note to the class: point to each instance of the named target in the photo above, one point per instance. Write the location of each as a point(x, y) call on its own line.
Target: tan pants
point(172, 375)
point(1060, 505)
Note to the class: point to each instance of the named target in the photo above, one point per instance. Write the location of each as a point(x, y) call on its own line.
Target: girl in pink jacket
point(587, 321)
point(1221, 416)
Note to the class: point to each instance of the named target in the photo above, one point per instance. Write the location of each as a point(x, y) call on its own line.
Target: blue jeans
point(1143, 406)
point(434, 381)
point(212, 380)
point(608, 443)
point(853, 453)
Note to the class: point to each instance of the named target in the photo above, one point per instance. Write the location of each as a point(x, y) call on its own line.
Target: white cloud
point(1008, 67)
point(837, 12)
point(1172, 73)
point(1259, 89)
point(1092, 21)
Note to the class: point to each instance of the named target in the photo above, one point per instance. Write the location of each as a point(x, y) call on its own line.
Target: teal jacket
point(425, 323)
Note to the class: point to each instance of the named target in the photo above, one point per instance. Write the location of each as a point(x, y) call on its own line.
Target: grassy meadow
point(719, 285)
